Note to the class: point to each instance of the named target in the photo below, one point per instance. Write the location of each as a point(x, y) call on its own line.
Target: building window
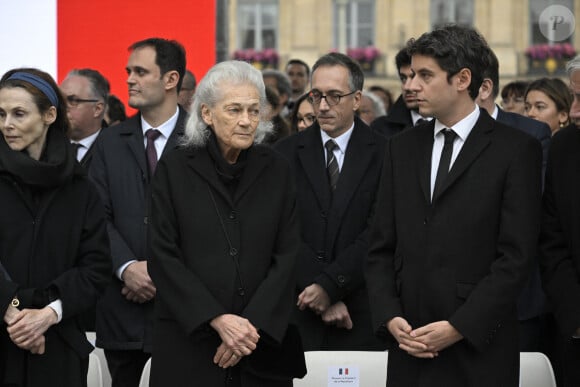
point(444, 12)
point(257, 21)
point(536, 35)
point(360, 22)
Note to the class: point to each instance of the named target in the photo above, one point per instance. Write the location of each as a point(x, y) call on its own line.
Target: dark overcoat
point(462, 257)
point(54, 248)
point(560, 247)
point(119, 171)
point(334, 229)
point(197, 233)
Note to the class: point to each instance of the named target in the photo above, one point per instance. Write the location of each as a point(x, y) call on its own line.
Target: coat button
point(340, 279)
point(232, 215)
point(145, 220)
point(425, 221)
point(320, 255)
point(233, 252)
point(323, 214)
point(241, 292)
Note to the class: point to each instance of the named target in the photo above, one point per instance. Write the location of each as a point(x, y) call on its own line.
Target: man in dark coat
point(336, 192)
point(122, 168)
point(531, 303)
point(560, 250)
point(455, 229)
point(405, 110)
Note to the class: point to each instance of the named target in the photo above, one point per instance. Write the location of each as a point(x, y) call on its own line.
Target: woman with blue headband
point(54, 258)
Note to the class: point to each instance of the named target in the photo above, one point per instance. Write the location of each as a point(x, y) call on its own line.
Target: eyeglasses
point(307, 119)
point(332, 99)
point(74, 101)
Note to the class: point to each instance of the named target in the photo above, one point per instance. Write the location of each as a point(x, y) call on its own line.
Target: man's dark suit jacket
point(398, 119)
point(462, 257)
point(334, 231)
point(119, 170)
point(560, 243)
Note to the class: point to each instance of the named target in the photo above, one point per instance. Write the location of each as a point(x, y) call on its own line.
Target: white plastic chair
point(371, 365)
point(536, 370)
point(95, 374)
point(105, 374)
point(144, 382)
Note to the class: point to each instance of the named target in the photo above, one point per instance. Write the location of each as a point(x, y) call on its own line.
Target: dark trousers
point(126, 366)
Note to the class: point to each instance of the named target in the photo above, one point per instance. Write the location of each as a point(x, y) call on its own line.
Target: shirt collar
point(415, 116)
point(463, 127)
point(88, 141)
point(165, 128)
point(495, 112)
point(341, 141)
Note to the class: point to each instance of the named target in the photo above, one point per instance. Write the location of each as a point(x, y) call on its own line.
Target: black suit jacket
point(88, 157)
point(399, 118)
point(119, 170)
point(334, 231)
point(463, 257)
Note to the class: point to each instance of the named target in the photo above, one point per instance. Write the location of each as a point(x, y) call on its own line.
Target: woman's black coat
point(193, 264)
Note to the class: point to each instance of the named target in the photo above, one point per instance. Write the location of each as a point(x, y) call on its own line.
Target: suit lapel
point(423, 157)
point(359, 154)
point(476, 142)
point(132, 134)
point(177, 132)
point(311, 157)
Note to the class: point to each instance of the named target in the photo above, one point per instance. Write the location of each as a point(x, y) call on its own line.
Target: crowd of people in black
point(232, 224)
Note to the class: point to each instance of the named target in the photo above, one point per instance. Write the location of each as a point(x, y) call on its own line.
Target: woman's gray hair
point(210, 91)
point(378, 105)
point(573, 65)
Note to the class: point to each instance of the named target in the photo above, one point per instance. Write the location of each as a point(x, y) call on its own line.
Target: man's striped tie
point(331, 164)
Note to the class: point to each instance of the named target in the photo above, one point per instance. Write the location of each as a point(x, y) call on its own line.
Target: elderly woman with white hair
point(370, 107)
point(224, 239)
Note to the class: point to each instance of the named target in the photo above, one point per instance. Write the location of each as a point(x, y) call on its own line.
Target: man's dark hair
point(170, 55)
point(356, 77)
point(402, 58)
point(299, 62)
point(455, 48)
point(99, 84)
point(492, 72)
point(515, 89)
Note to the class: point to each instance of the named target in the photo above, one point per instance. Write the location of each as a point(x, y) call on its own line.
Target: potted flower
point(549, 57)
point(366, 56)
point(267, 58)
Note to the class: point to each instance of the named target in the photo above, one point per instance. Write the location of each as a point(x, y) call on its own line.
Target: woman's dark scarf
point(229, 174)
point(55, 166)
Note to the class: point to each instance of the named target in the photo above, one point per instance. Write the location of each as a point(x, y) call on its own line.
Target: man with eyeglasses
point(187, 91)
point(337, 163)
point(86, 92)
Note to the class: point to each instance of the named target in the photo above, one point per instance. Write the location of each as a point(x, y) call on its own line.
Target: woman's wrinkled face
point(234, 118)
point(21, 123)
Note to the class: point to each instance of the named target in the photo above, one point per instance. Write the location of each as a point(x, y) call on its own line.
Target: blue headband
point(39, 83)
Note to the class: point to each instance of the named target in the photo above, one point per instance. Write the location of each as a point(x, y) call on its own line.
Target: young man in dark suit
point(336, 163)
point(122, 168)
point(559, 247)
point(455, 228)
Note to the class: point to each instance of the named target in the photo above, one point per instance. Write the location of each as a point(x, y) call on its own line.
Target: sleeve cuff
point(56, 305)
point(122, 268)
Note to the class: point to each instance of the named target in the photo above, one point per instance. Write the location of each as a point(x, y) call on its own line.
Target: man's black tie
point(150, 151)
point(331, 164)
point(445, 160)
